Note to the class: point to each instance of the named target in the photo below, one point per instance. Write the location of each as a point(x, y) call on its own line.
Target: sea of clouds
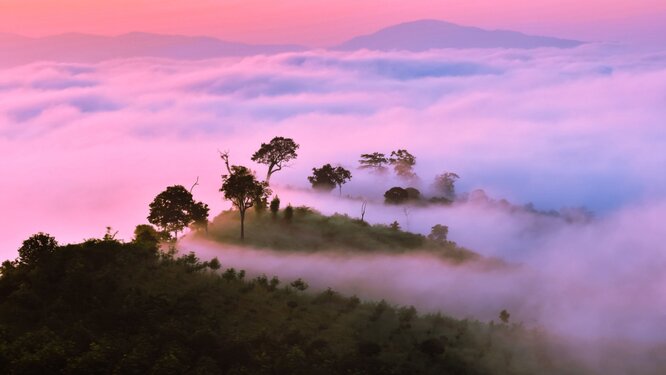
point(85, 146)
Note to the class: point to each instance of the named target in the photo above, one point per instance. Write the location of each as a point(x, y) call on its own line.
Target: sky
point(324, 23)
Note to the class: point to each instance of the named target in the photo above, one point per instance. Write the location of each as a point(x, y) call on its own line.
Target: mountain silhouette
point(76, 47)
point(430, 34)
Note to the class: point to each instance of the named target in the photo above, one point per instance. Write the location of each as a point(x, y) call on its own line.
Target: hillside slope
point(311, 231)
point(103, 307)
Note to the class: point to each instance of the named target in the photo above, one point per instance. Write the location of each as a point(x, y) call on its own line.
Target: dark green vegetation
point(328, 177)
point(174, 209)
point(241, 187)
point(106, 307)
point(303, 229)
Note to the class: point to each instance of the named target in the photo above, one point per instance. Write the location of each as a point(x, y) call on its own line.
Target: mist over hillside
point(556, 216)
point(509, 123)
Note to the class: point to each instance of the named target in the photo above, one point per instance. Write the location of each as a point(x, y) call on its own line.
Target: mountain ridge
point(422, 35)
point(90, 48)
point(414, 36)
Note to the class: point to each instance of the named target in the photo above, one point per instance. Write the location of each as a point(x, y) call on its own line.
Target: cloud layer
point(85, 146)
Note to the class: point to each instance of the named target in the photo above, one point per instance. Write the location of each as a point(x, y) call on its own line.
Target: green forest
point(148, 306)
point(105, 306)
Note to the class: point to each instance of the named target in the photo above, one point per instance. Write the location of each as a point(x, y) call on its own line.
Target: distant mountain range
point(429, 34)
point(411, 36)
point(74, 47)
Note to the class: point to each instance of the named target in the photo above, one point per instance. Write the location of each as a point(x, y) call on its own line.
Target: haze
point(89, 135)
point(325, 23)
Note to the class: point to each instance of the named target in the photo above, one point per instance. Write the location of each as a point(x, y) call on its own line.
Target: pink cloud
point(555, 127)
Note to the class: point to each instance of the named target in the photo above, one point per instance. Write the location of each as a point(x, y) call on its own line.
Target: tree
point(299, 284)
point(275, 206)
point(376, 162)
point(327, 178)
point(35, 247)
point(341, 177)
point(403, 164)
point(243, 189)
point(174, 209)
point(260, 205)
point(396, 195)
point(445, 184)
point(478, 196)
point(288, 213)
point(322, 178)
point(276, 154)
point(146, 235)
point(504, 316)
point(413, 194)
point(199, 215)
point(439, 233)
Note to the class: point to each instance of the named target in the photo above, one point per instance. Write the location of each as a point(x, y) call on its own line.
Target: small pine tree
point(395, 226)
point(275, 206)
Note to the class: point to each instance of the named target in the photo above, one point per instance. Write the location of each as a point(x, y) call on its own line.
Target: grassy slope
point(311, 231)
point(103, 307)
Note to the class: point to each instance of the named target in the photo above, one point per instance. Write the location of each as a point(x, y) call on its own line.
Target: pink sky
point(322, 23)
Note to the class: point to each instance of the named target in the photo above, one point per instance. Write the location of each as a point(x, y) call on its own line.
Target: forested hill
point(107, 307)
point(303, 229)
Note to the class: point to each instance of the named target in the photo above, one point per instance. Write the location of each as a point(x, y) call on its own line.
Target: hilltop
point(309, 230)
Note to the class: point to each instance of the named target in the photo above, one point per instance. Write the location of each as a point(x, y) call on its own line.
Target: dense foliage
point(375, 162)
point(105, 307)
point(276, 154)
point(243, 189)
point(403, 164)
point(328, 177)
point(174, 209)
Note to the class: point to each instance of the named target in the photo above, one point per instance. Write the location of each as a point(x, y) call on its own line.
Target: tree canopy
point(375, 162)
point(174, 209)
point(328, 177)
point(403, 164)
point(396, 195)
point(107, 307)
point(276, 154)
point(439, 233)
point(242, 188)
point(445, 184)
point(36, 247)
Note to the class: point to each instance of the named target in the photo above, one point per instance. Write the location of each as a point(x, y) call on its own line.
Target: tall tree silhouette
point(242, 188)
point(276, 154)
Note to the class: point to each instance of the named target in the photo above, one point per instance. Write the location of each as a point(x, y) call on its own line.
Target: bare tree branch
point(225, 156)
point(195, 184)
